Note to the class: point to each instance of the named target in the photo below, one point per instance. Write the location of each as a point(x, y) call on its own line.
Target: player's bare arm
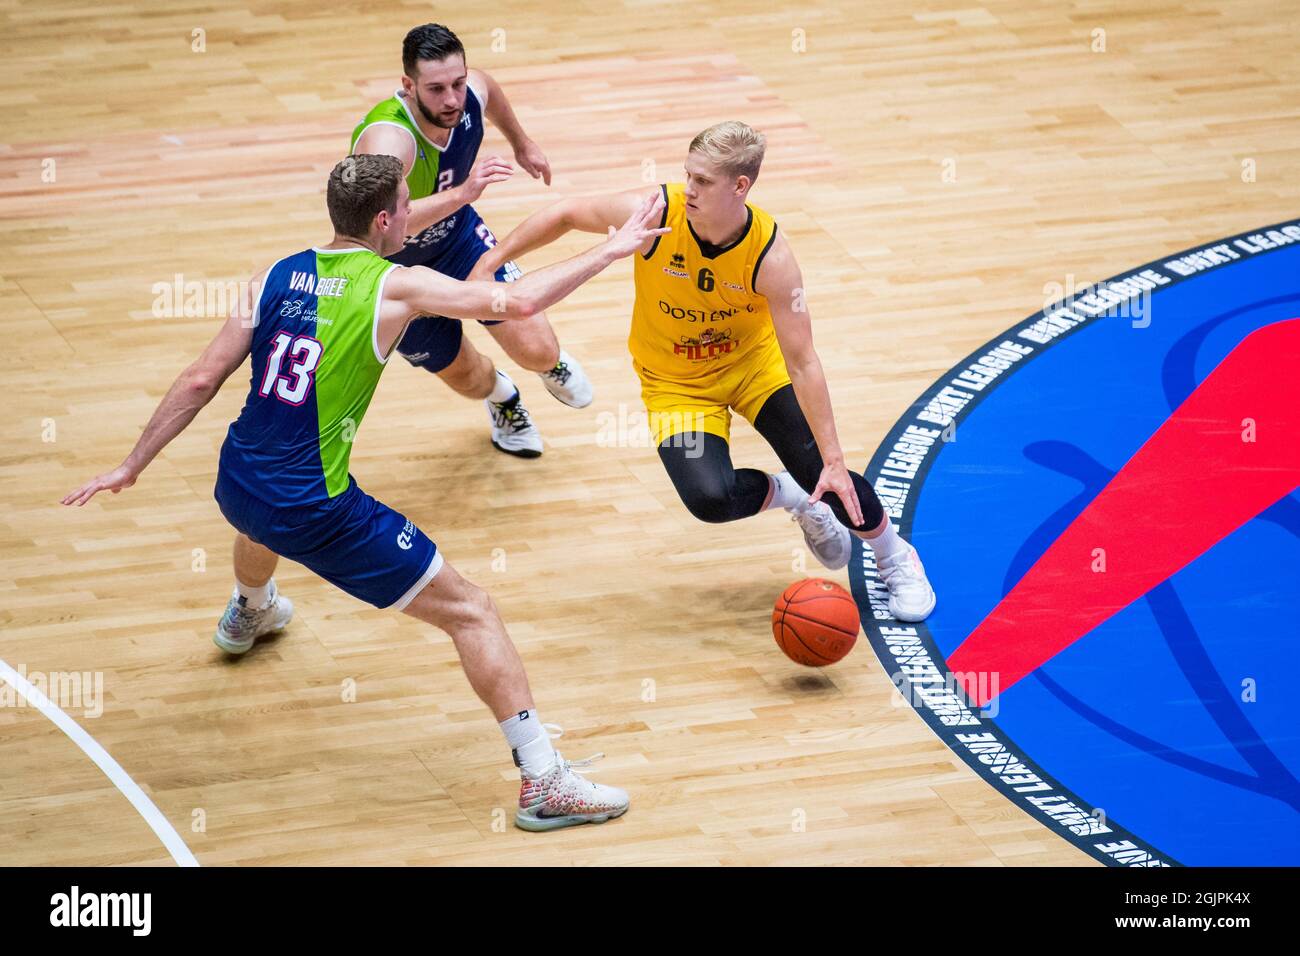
point(192, 390)
point(781, 283)
point(382, 139)
point(421, 291)
point(496, 107)
point(596, 214)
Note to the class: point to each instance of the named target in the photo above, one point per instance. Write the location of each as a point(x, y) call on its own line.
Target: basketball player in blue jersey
point(320, 325)
point(434, 125)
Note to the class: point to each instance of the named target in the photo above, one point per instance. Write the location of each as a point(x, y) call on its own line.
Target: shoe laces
point(511, 414)
point(560, 374)
point(901, 569)
point(242, 614)
point(820, 523)
point(555, 732)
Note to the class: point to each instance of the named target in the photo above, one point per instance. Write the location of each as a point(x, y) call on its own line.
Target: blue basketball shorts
point(356, 543)
point(451, 247)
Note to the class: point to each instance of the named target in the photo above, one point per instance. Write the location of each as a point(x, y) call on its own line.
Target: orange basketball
point(815, 622)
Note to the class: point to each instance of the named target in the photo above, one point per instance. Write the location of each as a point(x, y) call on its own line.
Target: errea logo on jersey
point(677, 266)
point(308, 282)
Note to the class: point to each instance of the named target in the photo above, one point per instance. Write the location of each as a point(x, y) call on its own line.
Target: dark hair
point(432, 41)
point(359, 187)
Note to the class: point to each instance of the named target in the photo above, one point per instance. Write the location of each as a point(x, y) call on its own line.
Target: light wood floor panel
point(1070, 166)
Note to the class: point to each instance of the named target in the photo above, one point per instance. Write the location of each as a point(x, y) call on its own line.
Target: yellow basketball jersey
point(696, 311)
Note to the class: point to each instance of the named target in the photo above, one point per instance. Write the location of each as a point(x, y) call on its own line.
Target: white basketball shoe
point(562, 797)
point(911, 598)
point(827, 539)
point(513, 431)
point(568, 382)
point(240, 626)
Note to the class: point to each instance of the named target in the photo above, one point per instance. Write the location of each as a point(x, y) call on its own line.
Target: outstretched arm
point(421, 291)
point(193, 389)
point(781, 283)
point(497, 108)
point(585, 213)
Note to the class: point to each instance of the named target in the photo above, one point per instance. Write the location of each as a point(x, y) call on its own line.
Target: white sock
point(504, 389)
point(786, 492)
point(530, 742)
point(256, 598)
point(887, 544)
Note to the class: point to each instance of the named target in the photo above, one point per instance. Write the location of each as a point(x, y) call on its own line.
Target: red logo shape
point(1230, 451)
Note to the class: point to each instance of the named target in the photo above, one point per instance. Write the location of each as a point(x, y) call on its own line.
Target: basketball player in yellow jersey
point(719, 324)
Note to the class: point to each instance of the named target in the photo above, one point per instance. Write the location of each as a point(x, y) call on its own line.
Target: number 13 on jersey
point(292, 384)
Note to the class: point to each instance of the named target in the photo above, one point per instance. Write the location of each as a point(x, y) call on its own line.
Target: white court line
point(112, 769)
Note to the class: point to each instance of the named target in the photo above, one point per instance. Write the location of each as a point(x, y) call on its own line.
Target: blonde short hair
point(735, 147)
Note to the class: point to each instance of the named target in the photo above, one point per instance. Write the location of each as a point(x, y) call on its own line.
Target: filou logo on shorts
point(75, 908)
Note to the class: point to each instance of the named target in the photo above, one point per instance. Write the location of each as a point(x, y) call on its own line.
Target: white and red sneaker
point(562, 797)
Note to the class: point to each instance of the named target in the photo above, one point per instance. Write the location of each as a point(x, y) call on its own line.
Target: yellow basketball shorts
point(705, 405)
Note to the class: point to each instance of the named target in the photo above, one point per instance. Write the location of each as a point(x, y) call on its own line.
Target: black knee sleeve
point(781, 421)
point(708, 485)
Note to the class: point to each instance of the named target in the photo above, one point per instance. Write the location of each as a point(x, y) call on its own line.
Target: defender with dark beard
point(434, 125)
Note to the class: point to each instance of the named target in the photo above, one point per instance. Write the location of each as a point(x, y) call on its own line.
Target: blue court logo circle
point(1160, 735)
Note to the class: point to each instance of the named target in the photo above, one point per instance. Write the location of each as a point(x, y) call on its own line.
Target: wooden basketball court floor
point(940, 168)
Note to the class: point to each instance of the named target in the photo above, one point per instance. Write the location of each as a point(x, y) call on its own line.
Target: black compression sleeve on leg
point(781, 421)
point(699, 465)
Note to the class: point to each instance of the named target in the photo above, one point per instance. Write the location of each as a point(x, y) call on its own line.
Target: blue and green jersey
point(316, 363)
point(436, 168)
